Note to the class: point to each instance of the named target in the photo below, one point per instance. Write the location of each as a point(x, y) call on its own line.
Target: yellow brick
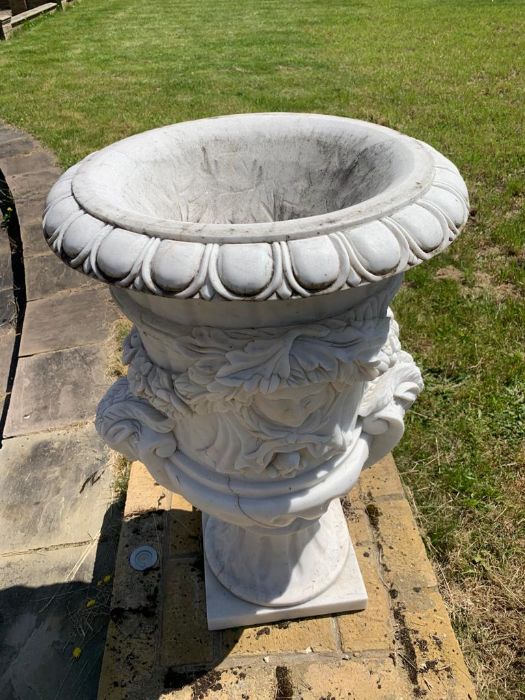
point(255, 682)
point(403, 552)
point(144, 494)
point(185, 531)
point(368, 629)
point(356, 518)
point(128, 665)
point(381, 480)
point(281, 637)
point(180, 503)
point(132, 636)
point(356, 679)
point(442, 672)
point(185, 635)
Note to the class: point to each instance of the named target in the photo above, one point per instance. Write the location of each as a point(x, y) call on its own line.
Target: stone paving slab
point(18, 163)
point(30, 214)
point(7, 342)
point(54, 489)
point(6, 271)
point(7, 308)
point(402, 646)
point(68, 319)
point(55, 390)
point(18, 145)
point(47, 275)
point(8, 133)
point(27, 185)
point(6, 274)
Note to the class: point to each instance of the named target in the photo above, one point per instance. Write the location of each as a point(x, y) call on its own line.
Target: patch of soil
point(284, 689)
point(483, 281)
point(202, 682)
point(373, 513)
point(409, 657)
point(348, 510)
point(119, 614)
point(484, 284)
point(283, 625)
point(201, 686)
point(450, 273)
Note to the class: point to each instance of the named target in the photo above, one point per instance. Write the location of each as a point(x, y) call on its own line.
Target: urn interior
point(239, 171)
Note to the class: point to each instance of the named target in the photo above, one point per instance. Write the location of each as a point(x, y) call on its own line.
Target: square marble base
point(225, 610)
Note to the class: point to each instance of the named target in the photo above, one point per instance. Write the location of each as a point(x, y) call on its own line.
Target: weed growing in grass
point(120, 465)
point(115, 367)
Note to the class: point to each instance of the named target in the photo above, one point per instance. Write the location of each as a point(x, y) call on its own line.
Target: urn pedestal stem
point(257, 256)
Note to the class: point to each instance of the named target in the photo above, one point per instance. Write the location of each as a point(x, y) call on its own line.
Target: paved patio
point(58, 518)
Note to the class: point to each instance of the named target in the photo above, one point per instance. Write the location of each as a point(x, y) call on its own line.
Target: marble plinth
point(343, 592)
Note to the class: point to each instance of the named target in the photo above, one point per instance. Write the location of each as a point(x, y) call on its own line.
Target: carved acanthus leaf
point(134, 428)
point(385, 403)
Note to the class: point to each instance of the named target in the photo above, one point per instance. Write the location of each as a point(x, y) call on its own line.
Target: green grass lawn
point(450, 73)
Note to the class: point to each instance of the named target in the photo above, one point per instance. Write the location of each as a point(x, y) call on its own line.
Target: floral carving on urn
point(257, 256)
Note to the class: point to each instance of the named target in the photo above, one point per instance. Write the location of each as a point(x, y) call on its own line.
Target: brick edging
point(403, 646)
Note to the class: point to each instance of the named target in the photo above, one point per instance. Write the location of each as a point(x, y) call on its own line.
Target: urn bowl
point(257, 255)
point(256, 206)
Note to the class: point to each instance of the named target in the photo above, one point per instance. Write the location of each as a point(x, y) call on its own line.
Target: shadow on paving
point(12, 300)
point(158, 640)
point(41, 627)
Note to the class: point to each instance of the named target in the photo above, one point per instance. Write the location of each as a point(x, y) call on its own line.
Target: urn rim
point(418, 205)
point(96, 200)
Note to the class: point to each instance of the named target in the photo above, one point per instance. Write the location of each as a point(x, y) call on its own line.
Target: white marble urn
point(257, 256)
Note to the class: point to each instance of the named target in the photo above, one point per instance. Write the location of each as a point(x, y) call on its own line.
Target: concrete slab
point(8, 310)
point(56, 390)
point(7, 341)
point(20, 145)
point(27, 185)
point(68, 319)
point(30, 213)
point(54, 489)
point(46, 275)
point(17, 164)
point(6, 271)
point(44, 616)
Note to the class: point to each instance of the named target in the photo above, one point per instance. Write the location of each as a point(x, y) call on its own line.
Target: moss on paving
point(449, 72)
